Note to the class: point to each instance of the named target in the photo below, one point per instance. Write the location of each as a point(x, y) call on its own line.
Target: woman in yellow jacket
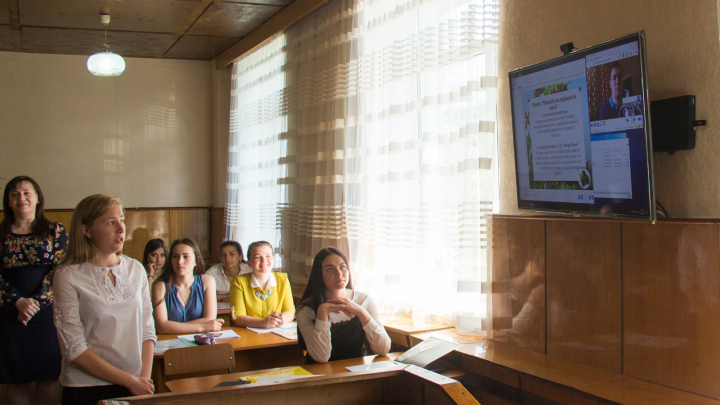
point(263, 298)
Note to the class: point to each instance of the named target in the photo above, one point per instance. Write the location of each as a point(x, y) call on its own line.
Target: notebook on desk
point(421, 355)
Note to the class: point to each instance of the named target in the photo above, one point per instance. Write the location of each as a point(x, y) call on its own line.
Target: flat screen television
point(581, 130)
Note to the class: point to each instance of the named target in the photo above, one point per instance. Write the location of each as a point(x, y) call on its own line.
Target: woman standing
point(102, 309)
point(184, 298)
point(334, 321)
point(233, 264)
point(31, 246)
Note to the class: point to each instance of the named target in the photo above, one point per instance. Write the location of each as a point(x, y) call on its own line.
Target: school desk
point(252, 351)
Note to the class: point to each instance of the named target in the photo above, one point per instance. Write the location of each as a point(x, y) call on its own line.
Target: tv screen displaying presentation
point(581, 129)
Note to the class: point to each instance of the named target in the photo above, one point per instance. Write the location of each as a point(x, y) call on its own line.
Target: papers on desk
point(280, 379)
point(224, 334)
point(223, 305)
point(287, 333)
point(426, 352)
point(162, 345)
point(275, 377)
point(376, 366)
point(288, 330)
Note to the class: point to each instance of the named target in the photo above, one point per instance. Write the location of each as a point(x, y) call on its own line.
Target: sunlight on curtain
point(257, 124)
point(385, 139)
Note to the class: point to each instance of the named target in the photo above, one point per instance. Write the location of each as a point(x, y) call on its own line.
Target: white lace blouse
point(111, 320)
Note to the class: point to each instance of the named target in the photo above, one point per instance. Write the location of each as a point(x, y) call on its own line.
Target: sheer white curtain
point(385, 134)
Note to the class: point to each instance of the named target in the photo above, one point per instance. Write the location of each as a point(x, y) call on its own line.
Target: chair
point(186, 360)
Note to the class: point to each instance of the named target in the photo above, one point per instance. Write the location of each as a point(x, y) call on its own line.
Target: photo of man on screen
point(611, 108)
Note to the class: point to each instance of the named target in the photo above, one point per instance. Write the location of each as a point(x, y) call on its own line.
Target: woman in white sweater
point(335, 322)
point(102, 309)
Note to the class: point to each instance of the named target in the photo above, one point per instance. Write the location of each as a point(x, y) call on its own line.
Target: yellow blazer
point(246, 302)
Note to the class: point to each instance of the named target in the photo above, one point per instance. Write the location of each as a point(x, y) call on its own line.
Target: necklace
point(180, 292)
point(182, 298)
point(263, 296)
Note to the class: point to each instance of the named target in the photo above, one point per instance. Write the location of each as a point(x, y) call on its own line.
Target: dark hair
point(41, 226)
point(151, 246)
point(237, 247)
point(615, 65)
point(314, 294)
point(168, 273)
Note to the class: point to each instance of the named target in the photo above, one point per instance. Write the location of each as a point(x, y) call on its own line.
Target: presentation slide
point(558, 139)
point(557, 143)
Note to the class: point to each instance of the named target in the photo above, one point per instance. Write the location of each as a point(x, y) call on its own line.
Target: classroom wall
point(632, 298)
point(683, 58)
point(221, 81)
point(145, 136)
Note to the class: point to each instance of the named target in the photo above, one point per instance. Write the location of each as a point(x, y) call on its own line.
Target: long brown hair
point(314, 294)
point(40, 226)
point(168, 273)
point(80, 248)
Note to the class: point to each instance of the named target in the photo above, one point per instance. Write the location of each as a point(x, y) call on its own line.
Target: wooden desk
point(412, 385)
point(550, 377)
point(252, 350)
point(333, 367)
point(400, 328)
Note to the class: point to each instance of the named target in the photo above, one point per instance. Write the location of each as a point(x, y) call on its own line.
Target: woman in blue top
point(188, 294)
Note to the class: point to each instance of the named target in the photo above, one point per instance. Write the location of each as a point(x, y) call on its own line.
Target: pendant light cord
point(107, 48)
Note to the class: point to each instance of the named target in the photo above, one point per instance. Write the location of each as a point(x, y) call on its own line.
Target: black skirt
point(28, 353)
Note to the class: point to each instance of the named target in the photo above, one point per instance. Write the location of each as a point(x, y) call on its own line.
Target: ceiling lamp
point(106, 63)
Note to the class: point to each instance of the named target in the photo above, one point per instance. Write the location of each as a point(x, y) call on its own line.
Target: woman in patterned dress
point(30, 248)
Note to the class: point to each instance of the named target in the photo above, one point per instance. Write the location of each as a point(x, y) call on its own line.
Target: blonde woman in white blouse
point(102, 309)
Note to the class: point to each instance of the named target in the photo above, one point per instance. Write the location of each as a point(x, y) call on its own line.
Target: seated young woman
point(263, 298)
point(156, 252)
point(183, 296)
point(334, 321)
point(233, 263)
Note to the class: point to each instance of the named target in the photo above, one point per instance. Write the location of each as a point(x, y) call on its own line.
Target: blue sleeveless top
point(194, 310)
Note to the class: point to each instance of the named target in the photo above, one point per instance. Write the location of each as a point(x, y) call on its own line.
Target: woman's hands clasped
point(345, 306)
point(27, 308)
point(140, 386)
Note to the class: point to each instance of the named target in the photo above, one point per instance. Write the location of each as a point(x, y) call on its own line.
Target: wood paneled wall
point(632, 298)
point(204, 225)
point(584, 293)
point(518, 250)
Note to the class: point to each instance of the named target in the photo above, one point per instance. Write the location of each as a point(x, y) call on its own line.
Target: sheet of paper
point(224, 334)
point(223, 305)
point(375, 366)
point(162, 345)
point(264, 380)
point(290, 334)
point(291, 325)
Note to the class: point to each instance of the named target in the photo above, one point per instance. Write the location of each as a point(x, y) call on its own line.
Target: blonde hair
point(80, 249)
point(256, 245)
